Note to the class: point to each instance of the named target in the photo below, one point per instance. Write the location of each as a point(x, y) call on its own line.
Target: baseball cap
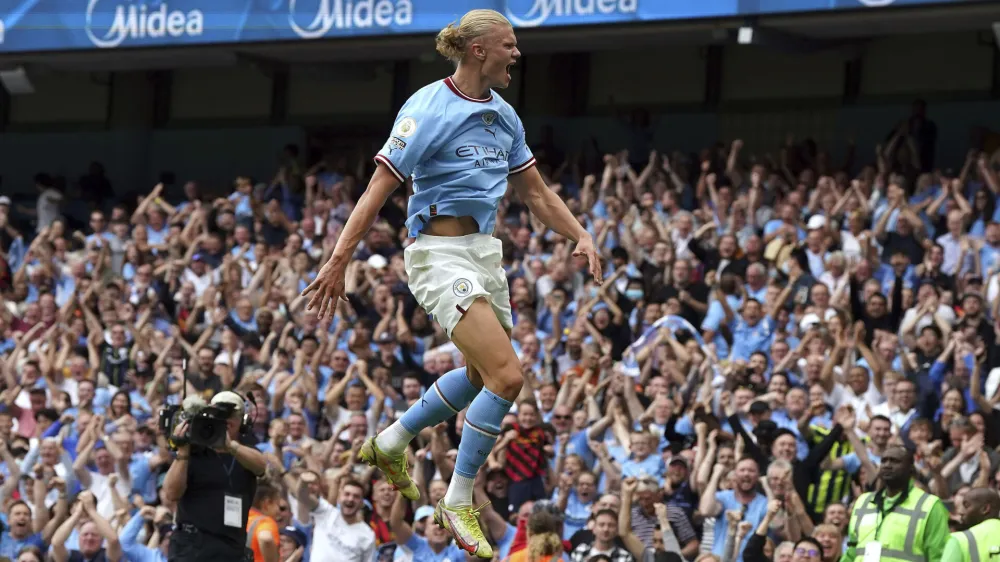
point(4, 200)
point(679, 459)
point(225, 358)
point(229, 397)
point(765, 427)
point(196, 257)
point(298, 536)
point(815, 222)
point(422, 512)
point(759, 407)
point(808, 321)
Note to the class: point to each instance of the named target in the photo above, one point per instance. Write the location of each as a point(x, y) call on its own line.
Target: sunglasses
point(806, 551)
point(560, 417)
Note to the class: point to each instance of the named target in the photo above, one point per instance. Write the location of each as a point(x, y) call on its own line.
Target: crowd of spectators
point(767, 328)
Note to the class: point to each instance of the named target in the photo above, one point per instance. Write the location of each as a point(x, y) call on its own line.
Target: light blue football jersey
point(459, 151)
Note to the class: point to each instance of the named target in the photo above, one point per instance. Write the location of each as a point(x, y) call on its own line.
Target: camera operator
point(214, 489)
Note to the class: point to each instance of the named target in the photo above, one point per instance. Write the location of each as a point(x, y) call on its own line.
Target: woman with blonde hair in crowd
point(544, 539)
point(830, 538)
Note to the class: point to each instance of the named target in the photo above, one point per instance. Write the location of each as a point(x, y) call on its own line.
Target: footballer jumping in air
point(462, 144)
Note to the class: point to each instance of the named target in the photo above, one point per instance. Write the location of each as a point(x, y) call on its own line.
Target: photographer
point(214, 489)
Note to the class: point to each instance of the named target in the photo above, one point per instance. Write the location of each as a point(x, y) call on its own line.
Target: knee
point(508, 378)
point(473, 375)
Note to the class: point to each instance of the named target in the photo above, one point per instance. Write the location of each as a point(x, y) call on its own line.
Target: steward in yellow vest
point(900, 522)
point(981, 541)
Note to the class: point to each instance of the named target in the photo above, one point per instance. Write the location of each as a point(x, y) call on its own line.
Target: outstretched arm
point(329, 284)
point(547, 206)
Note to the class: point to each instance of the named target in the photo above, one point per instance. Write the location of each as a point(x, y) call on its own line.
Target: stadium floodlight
point(16, 82)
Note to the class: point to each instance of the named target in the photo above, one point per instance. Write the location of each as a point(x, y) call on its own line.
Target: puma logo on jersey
point(492, 132)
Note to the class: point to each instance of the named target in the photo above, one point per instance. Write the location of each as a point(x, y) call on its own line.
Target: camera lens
point(206, 431)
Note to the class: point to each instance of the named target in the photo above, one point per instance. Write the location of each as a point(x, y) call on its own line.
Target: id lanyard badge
point(233, 506)
point(873, 551)
point(234, 513)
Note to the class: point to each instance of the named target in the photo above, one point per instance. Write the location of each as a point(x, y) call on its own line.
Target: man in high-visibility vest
point(262, 529)
point(980, 542)
point(900, 522)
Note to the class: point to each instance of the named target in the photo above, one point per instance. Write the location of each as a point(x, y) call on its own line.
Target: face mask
point(633, 294)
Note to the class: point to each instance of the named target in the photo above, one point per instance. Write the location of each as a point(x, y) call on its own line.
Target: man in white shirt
point(199, 274)
point(903, 411)
point(339, 532)
point(864, 395)
point(106, 457)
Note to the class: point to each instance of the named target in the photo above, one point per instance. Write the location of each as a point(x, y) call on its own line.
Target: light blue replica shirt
point(459, 150)
point(748, 339)
point(132, 549)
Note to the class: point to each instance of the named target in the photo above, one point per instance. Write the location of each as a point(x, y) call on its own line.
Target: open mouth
point(509, 66)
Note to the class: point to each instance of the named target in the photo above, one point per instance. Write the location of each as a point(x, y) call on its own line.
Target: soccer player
point(462, 144)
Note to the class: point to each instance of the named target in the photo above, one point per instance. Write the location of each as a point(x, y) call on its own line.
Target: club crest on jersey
point(489, 118)
point(406, 127)
point(462, 287)
point(397, 143)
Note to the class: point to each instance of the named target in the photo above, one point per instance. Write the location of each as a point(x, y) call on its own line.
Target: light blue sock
point(482, 427)
point(448, 396)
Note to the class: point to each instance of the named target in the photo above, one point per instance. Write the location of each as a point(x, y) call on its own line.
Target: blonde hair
point(543, 536)
point(453, 40)
point(828, 529)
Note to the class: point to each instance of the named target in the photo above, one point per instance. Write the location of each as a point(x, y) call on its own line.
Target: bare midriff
point(450, 226)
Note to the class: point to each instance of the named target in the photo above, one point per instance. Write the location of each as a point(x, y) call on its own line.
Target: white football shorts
point(448, 273)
